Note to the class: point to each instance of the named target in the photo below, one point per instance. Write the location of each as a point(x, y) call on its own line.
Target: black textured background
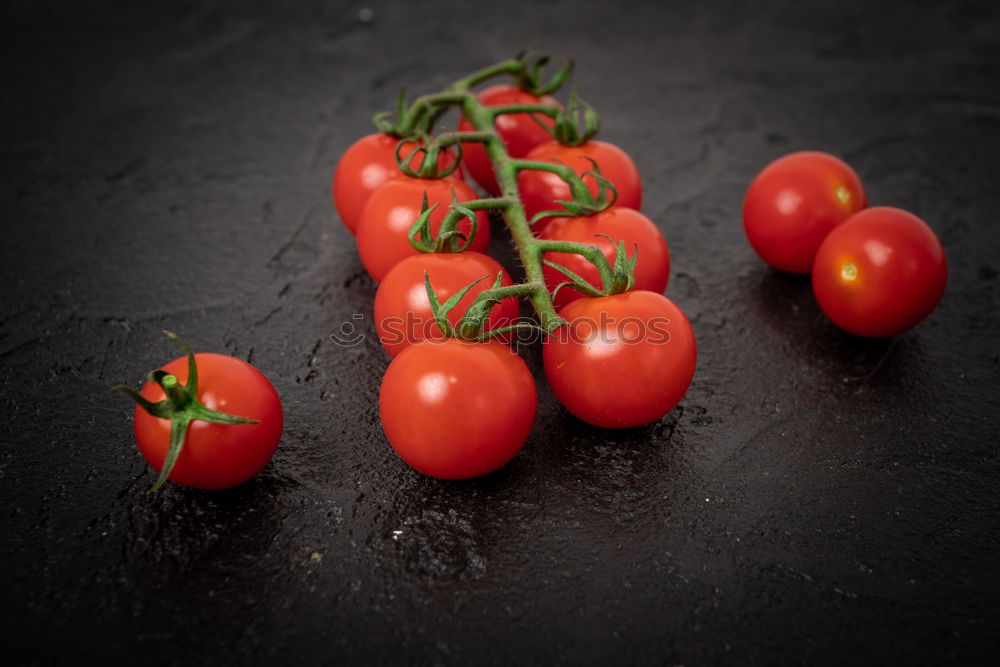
point(816, 498)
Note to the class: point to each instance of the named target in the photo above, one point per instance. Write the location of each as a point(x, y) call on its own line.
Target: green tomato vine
point(574, 125)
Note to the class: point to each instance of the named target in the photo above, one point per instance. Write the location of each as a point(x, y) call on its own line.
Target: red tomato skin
point(456, 410)
point(794, 202)
point(626, 368)
point(652, 269)
point(899, 272)
point(540, 189)
point(383, 229)
point(403, 314)
point(519, 132)
point(367, 164)
point(216, 456)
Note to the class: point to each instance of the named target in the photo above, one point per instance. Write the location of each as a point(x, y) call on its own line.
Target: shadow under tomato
point(786, 305)
point(188, 539)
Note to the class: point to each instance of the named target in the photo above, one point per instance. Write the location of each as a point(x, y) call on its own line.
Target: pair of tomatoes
point(876, 272)
point(378, 203)
point(457, 409)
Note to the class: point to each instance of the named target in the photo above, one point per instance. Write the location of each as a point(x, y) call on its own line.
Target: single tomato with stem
point(404, 314)
point(605, 230)
point(384, 228)
point(541, 190)
point(365, 166)
point(206, 420)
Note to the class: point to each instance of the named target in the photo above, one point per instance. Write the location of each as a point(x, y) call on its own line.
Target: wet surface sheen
point(815, 498)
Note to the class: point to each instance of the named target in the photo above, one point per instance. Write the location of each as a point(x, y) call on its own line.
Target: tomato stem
point(176, 393)
point(527, 69)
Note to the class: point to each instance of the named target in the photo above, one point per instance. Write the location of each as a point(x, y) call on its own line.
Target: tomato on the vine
point(365, 166)
point(215, 455)
point(455, 409)
point(652, 268)
point(403, 314)
point(624, 360)
point(383, 229)
point(794, 202)
point(880, 272)
point(541, 189)
point(520, 132)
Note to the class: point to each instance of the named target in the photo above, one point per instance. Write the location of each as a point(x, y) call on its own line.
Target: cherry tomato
point(880, 272)
point(624, 360)
point(541, 189)
point(455, 409)
point(385, 223)
point(402, 312)
point(215, 456)
point(652, 267)
point(365, 166)
point(794, 202)
point(519, 132)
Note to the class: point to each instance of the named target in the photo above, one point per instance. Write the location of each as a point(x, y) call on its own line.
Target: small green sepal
point(430, 149)
point(449, 238)
point(576, 123)
point(439, 310)
point(576, 281)
point(382, 121)
point(533, 64)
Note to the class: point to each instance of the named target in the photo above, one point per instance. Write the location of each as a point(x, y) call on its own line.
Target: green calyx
point(393, 127)
point(449, 238)
point(429, 151)
point(180, 406)
point(615, 279)
point(401, 124)
point(473, 322)
point(532, 67)
point(583, 202)
point(577, 123)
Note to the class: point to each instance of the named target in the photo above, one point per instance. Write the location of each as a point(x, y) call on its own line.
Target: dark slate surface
point(815, 498)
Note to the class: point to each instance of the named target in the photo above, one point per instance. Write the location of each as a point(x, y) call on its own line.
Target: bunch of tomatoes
point(876, 271)
point(457, 401)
